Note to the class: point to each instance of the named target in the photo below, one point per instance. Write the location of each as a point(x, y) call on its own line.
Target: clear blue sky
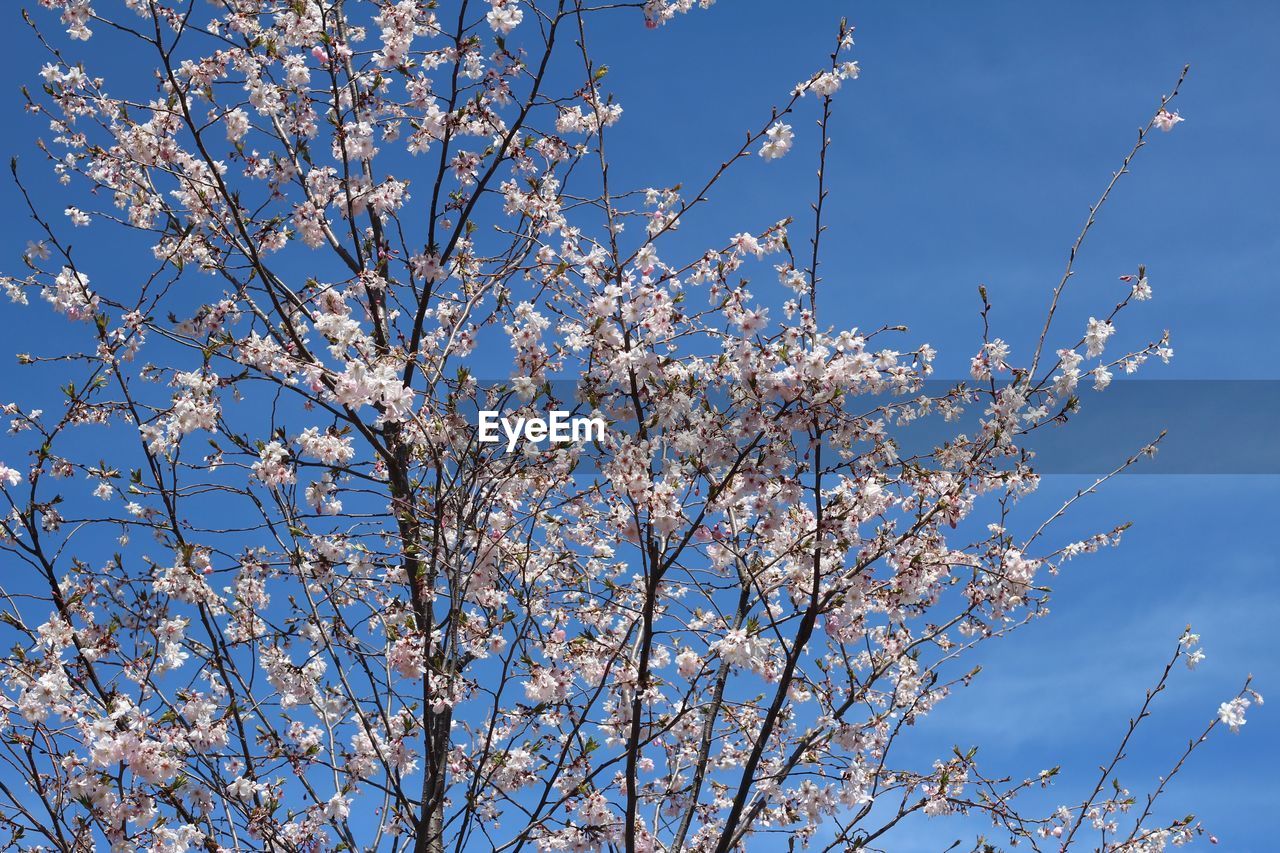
point(968, 153)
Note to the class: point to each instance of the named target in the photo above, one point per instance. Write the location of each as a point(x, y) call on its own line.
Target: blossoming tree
point(265, 589)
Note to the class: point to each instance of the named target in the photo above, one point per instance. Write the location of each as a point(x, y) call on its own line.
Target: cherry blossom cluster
point(275, 594)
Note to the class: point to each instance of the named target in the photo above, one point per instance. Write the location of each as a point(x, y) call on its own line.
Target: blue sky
point(968, 153)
